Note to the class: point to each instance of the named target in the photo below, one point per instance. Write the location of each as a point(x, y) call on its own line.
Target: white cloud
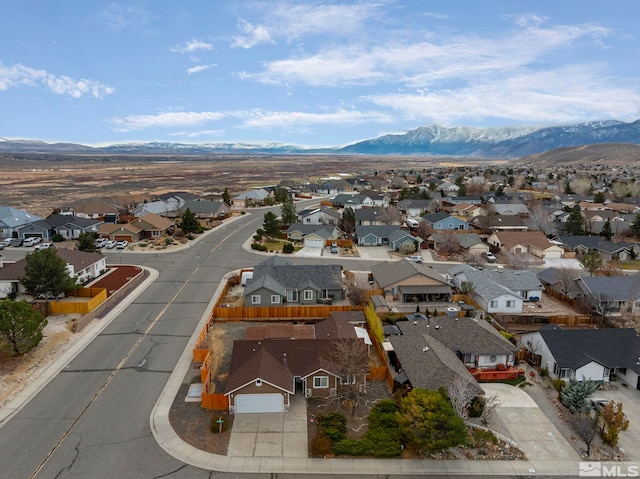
point(292, 21)
point(119, 16)
point(16, 75)
point(192, 46)
point(198, 69)
point(252, 35)
point(262, 119)
point(167, 119)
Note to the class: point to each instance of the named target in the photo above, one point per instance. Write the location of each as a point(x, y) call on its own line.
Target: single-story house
point(120, 232)
point(415, 208)
point(153, 226)
point(274, 362)
point(406, 281)
point(248, 198)
point(11, 219)
point(332, 187)
point(602, 355)
point(205, 210)
point(444, 221)
point(277, 281)
point(532, 242)
point(319, 216)
point(612, 294)
point(608, 250)
point(470, 243)
point(69, 227)
point(385, 235)
point(313, 236)
point(374, 216)
point(109, 212)
point(80, 265)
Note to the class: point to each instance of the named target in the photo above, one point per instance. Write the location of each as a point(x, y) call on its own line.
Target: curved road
point(92, 419)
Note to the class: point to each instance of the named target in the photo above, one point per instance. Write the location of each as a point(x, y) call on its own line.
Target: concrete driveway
point(529, 426)
point(630, 399)
point(271, 434)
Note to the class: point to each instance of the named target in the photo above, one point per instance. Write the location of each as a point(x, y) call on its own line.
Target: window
point(565, 373)
point(275, 299)
point(348, 379)
point(308, 294)
point(321, 382)
point(255, 299)
point(292, 295)
point(511, 303)
point(493, 303)
point(155, 233)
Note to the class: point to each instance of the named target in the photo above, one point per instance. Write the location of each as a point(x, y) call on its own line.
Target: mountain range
point(433, 140)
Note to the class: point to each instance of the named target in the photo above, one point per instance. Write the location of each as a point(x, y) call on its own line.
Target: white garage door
point(313, 243)
point(253, 403)
point(553, 254)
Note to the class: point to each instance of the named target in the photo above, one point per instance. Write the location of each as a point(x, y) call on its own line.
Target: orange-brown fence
point(211, 400)
point(97, 295)
point(279, 312)
point(571, 319)
point(342, 243)
point(377, 372)
point(563, 297)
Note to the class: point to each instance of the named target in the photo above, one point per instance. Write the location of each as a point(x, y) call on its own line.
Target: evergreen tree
point(348, 222)
point(606, 230)
point(574, 395)
point(281, 195)
point(289, 214)
point(635, 226)
point(574, 224)
point(189, 223)
point(20, 325)
point(226, 197)
point(46, 274)
point(428, 421)
point(599, 197)
point(591, 261)
point(87, 242)
point(271, 225)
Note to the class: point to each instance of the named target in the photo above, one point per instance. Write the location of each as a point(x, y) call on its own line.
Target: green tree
point(606, 230)
point(591, 261)
point(271, 224)
point(281, 195)
point(226, 197)
point(428, 421)
point(574, 224)
point(348, 222)
point(189, 223)
point(599, 197)
point(87, 242)
point(614, 421)
point(635, 227)
point(574, 395)
point(289, 214)
point(20, 325)
point(46, 274)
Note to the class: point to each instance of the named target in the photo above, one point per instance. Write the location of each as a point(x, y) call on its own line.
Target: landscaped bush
point(558, 384)
point(288, 248)
point(320, 445)
point(481, 438)
point(257, 237)
point(544, 372)
point(143, 245)
point(333, 425)
point(258, 247)
point(57, 238)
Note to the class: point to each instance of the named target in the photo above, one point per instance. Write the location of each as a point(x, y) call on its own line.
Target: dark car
point(16, 241)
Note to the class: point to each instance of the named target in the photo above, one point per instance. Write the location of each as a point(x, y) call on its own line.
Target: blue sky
point(309, 73)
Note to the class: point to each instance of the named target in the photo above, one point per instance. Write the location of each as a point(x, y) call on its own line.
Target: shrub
point(544, 372)
point(320, 445)
point(257, 237)
point(143, 245)
point(258, 247)
point(57, 238)
point(288, 248)
point(476, 407)
point(481, 438)
point(333, 425)
point(558, 384)
point(168, 240)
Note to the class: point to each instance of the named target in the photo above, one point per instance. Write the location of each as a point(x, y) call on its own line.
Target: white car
point(100, 242)
point(42, 246)
point(415, 259)
point(122, 244)
point(110, 244)
point(490, 257)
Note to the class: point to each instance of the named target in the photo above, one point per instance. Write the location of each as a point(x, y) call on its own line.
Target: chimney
point(285, 363)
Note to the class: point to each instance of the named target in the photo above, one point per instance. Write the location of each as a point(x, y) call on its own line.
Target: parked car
point(100, 242)
point(31, 241)
point(5, 242)
point(334, 248)
point(415, 259)
point(122, 244)
point(490, 257)
point(110, 244)
point(16, 242)
point(42, 246)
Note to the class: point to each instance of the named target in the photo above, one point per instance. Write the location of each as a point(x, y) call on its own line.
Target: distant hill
point(428, 140)
point(613, 154)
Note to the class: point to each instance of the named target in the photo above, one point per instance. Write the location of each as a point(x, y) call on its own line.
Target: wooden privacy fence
point(211, 400)
point(380, 372)
point(279, 312)
point(97, 297)
point(342, 243)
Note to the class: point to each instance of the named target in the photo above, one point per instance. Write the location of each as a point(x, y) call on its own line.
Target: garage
point(257, 403)
point(313, 243)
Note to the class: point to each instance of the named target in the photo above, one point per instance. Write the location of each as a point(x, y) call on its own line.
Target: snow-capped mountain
point(514, 142)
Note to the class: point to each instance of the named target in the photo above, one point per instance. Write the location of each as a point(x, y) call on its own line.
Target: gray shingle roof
point(287, 276)
point(482, 286)
point(613, 288)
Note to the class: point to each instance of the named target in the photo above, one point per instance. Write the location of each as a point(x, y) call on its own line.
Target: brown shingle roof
point(537, 239)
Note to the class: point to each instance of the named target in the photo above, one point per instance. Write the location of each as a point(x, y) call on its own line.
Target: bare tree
point(424, 230)
point(581, 185)
point(586, 428)
point(461, 394)
point(449, 245)
point(534, 346)
point(538, 218)
point(356, 286)
point(489, 218)
point(609, 268)
point(391, 216)
point(348, 357)
point(491, 403)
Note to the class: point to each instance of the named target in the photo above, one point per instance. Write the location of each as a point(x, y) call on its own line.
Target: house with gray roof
point(12, 219)
point(250, 197)
point(608, 250)
point(313, 236)
point(444, 221)
point(385, 235)
point(334, 186)
point(374, 216)
point(612, 294)
point(563, 280)
point(406, 281)
point(207, 210)
point(319, 216)
point(69, 227)
point(415, 208)
point(470, 243)
point(276, 282)
point(601, 355)
point(511, 209)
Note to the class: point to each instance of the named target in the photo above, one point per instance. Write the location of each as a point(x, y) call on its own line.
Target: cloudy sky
point(309, 73)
